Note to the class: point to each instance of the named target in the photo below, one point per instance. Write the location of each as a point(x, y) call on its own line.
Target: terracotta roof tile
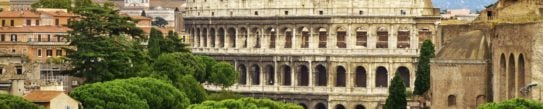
point(35, 29)
point(42, 96)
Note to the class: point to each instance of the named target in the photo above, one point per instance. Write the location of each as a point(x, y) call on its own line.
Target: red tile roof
point(42, 96)
point(18, 14)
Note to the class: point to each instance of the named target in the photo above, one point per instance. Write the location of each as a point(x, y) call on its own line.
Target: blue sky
point(459, 4)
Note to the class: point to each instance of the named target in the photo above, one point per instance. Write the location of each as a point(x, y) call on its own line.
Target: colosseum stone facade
point(321, 54)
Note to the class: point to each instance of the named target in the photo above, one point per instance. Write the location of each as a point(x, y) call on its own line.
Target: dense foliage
point(155, 38)
point(396, 94)
point(244, 103)
point(133, 93)
point(223, 74)
point(103, 49)
point(514, 104)
point(422, 82)
point(63, 4)
point(194, 90)
point(15, 102)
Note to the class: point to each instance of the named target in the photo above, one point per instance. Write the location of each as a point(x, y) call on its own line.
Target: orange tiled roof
point(19, 14)
point(59, 14)
point(42, 96)
point(35, 29)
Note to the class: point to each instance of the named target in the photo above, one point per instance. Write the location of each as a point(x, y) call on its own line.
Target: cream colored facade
point(319, 54)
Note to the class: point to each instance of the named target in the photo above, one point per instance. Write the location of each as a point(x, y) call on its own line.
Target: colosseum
point(321, 54)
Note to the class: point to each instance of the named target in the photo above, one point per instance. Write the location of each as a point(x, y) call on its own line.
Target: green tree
point(103, 51)
point(396, 94)
point(133, 93)
point(208, 62)
point(14, 102)
point(223, 74)
point(160, 22)
point(422, 82)
point(176, 65)
point(514, 104)
point(244, 103)
point(64, 4)
point(172, 43)
point(194, 90)
point(154, 45)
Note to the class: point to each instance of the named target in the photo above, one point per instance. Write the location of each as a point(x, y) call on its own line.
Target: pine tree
point(143, 13)
point(396, 94)
point(422, 83)
point(155, 41)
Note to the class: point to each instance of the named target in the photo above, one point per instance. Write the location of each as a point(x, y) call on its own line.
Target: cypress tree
point(396, 94)
point(154, 43)
point(422, 83)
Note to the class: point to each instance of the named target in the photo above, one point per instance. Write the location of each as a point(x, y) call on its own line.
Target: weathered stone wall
point(465, 80)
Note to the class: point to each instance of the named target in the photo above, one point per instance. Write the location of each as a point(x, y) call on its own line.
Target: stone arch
point(503, 76)
point(255, 74)
point(303, 75)
point(244, 37)
point(381, 78)
point(359, 106)
point(272, 33)
point(521, 72)
point(481, 99)
point(321, 77)
point(320, 106)
point(204, 40)
point(212, 35)
point(339, 106)
point(303, 105)
point(257, 40)
point(511, 76)
point(361, 77)
point(197, 37)
point(288, 35)
point(404, 73)
point(232, 37)
point(382, 38)
point(341, 35)
point(451, 100)
point(341, 76)
point(221, 38)
point(270, 75)
point(243, 74)
point(286, 75)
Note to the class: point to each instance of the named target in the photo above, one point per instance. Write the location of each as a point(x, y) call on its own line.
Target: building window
point(321, 12)
point(19, 70)
point(322, 39)
point(256, 13)
point(286, 12)
point(3, 22)
point(39, 52)
point(59, 52)
point(361, 38)
point(12, 23)
point(57, 22)
point(13, 38)
point(341, 39)
point(424, 34)
point(1, 70)
point(361, 12)
point(305, 39)
point(3, 37)
point(288, 39)
point(272, 39)
point(403, 39)
point(212, 13)
point(451, 100)
point(403, 12)
point(48, 38)
point(58, 38)
point(28, 22)
point(382, 39)
point(37, 22)
point(49, 53)
point(13, 50)
point(39, 37)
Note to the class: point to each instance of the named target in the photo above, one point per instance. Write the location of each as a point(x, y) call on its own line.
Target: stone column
point(310, 68)
point(275, 67)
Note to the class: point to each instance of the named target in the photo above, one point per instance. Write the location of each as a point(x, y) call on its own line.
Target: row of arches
point(512, 75)
point(302, 74)
point(338, 106)
point(304, 37)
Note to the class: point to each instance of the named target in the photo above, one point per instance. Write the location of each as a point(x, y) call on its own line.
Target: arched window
point(361, 37)
point(197, 38)
point(288, 38)
point(221, 38)
point(204, 40)
point(212, 37)
point(361, 77)
point(340, 38)
point(321, 76)
point(340, 76)
point(404, 73)
point(339, 106)
point(511, 76)
point(382, 38)
point(270, 71)
point(360, 107)
point(403, 38)
point(320, 106)
point(323, 37)
point(273, 37)
point(521, 72)
point(424, 34)
point(243, 74)
point(451, 100)
point(232, 37)
point(286, 75)
point(255, 74)
point(503, 76)
point(381, 77)
point(303, 76)
point(256, 38)
point(244, 37)
point(305, 38)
